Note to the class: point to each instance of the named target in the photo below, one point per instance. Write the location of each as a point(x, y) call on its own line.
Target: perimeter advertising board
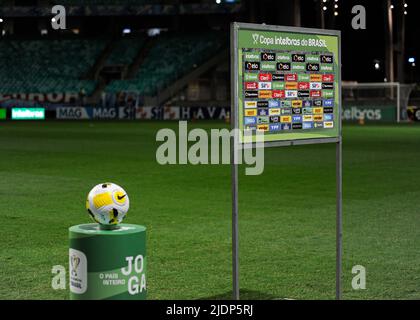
point(288, 82)
point(28, 113)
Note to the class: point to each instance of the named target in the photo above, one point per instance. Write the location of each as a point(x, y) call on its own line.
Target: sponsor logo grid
point(288, 90)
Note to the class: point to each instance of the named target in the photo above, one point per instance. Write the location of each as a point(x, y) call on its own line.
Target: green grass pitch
point(287, 214)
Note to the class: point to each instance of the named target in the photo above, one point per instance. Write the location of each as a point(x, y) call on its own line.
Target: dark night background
point(359, 47)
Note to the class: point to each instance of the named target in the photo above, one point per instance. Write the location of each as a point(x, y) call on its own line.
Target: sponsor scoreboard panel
point(288, 83)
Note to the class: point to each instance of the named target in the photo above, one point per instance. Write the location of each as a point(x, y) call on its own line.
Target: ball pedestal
point(107, 264)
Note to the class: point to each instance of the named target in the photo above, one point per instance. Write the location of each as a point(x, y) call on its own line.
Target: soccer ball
point(107, 203)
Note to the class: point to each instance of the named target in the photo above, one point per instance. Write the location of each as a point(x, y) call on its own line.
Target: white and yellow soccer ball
point(107, 203)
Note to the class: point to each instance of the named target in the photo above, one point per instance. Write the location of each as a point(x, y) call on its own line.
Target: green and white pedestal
point(107, 264)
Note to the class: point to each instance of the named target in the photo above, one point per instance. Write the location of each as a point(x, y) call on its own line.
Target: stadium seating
point(106, 2)
point(125, 51)
point(172, 56)
point(47, 66)
point(56, 66)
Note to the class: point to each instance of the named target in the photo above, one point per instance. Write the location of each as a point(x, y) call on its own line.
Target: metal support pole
point(389, 45)
point(234, 163)
point(398, 102)
point(235, 227)
point(339, 221)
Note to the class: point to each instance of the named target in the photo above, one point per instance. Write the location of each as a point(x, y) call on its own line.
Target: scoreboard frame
point(238, 143)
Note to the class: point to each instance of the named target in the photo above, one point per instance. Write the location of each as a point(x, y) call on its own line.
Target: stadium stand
point(106, 2)
point(172, 56)
point(47, 66)
point(124, 51)
point(57, 66)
